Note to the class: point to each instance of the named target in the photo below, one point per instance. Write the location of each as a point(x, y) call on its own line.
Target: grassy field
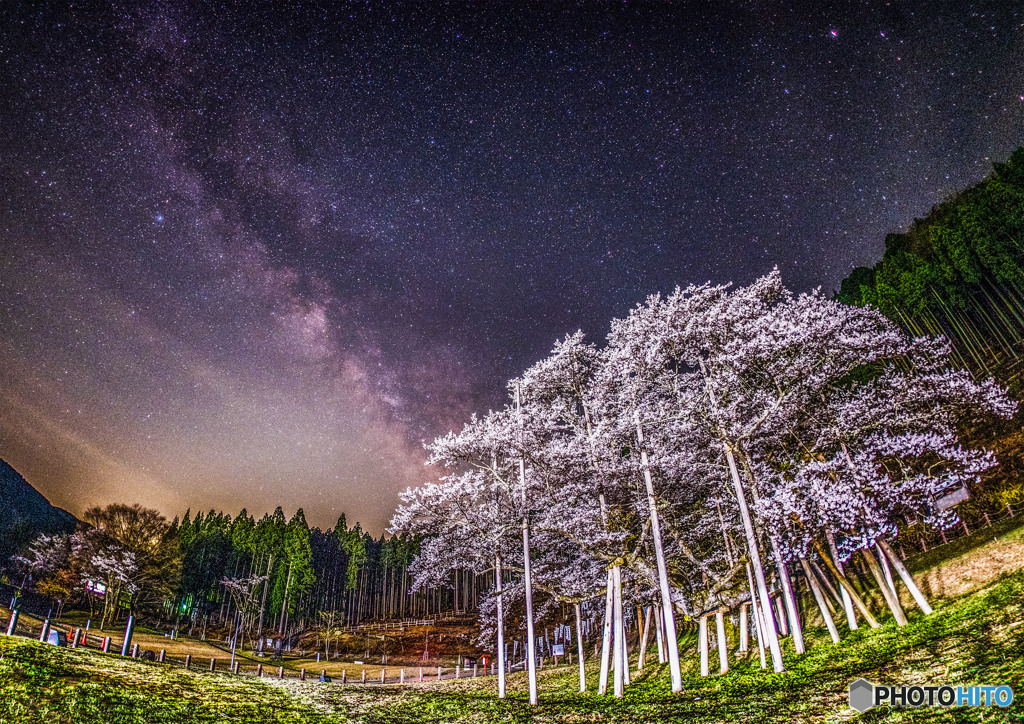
point(973, 638)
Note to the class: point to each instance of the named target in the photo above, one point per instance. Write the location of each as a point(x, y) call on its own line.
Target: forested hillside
point(959, 272)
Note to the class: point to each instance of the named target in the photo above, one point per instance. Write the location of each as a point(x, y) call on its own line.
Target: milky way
point(254, 256)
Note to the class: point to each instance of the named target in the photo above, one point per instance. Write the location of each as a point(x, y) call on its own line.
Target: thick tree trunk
point(284, 599)
point(671, 641)
point(820, 600)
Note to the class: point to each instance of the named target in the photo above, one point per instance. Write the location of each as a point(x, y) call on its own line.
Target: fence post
point(129, 629)
point(383, 676)
point(44, 631)
point(259, 670)
point(188, 660)
point(421, 673)
point(280, 672)
point(13, 624)
point(213, 664)
point(474, 671)
point(457, 668)
point(236, 668)
point(344, 676)
point(163, 655)
point(363, 679)
point(438, 673)
point(302, 674)
point(401, 676)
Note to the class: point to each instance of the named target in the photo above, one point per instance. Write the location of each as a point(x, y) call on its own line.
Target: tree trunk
point(284, 599)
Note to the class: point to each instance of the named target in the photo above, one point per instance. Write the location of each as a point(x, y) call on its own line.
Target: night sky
point(257, 254)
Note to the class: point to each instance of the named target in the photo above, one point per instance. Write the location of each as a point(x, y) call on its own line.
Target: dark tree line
point(959, 272)
point(303, 577)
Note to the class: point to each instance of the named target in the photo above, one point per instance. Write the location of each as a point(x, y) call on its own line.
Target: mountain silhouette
point(25, 513)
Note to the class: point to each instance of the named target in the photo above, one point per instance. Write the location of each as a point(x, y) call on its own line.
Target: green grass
point(1007, 529)
point(978, 639)
point(974, 639)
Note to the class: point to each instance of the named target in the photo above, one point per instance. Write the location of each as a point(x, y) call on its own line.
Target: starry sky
point(256, 253)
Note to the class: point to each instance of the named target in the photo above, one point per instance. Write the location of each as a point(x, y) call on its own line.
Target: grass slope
point(976, 637)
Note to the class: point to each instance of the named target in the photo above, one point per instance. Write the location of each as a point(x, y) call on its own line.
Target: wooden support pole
point(908, 580)
point(617, 633)
point(702, 644)
point(723, 647)
point(819, 598)
point(744, 628)
point(887, 592)
point(606, 637)
point(644, 638)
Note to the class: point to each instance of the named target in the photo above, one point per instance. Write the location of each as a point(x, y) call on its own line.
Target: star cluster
point(257, 253)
